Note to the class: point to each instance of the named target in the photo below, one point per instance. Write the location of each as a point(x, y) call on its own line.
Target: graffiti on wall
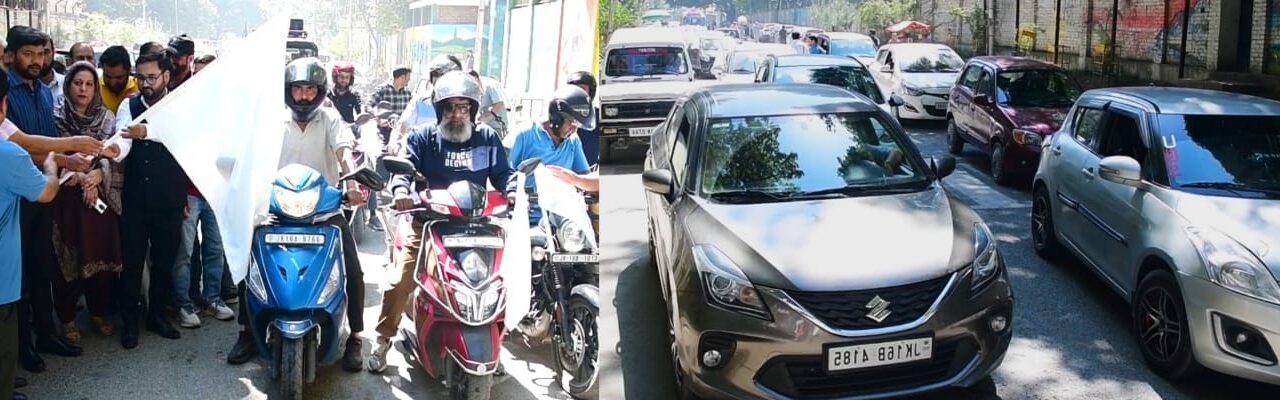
point(1147, 30)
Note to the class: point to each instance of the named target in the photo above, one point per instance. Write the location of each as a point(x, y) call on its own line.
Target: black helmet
point(456, 84)
point(584, 78)
point(573, 101)
point(306, 70)
point(441, 65)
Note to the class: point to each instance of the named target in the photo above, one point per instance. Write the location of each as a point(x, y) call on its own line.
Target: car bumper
point(1212, 310)
point(1022, 159)
point(785, 357)
point(923, 107)
point(622, 134)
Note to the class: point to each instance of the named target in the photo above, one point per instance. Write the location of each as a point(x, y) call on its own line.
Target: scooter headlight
point(475, 307)
point(255, 281)
point(297, 204)
point(474, 267)
point(331, 285)
point(572, 238)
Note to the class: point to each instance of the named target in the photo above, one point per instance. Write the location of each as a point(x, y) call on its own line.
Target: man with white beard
point(452, 150)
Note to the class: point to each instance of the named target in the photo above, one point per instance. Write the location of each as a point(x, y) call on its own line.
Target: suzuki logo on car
point(879, 309)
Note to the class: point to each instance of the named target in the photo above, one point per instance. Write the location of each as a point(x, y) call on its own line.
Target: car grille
point(806, 376)
point(936, 111)
point(655, 110)
point(846, 310)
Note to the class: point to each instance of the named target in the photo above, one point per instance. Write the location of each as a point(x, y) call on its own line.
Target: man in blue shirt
point(18, 179)
point(30, 107)
point(554, 140)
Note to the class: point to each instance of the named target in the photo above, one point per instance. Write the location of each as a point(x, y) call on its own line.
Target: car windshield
point(793, 156)
point(744, 63)
point(642, 61)
point(856, 48)
point(848, 77)
point(1222, 154)
point(930, 60)
point(1036, 88)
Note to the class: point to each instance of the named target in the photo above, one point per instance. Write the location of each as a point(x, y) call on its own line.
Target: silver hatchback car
point(1172, 196)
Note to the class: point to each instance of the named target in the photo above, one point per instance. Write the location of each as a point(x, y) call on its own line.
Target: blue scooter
point(297, 276)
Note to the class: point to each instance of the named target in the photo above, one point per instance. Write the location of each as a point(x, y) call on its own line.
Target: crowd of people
point(89, 203)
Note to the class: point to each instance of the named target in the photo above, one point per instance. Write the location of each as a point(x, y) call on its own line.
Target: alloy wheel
point(1161, 326)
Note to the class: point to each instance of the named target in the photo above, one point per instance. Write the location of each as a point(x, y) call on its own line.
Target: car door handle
point(1088, 172)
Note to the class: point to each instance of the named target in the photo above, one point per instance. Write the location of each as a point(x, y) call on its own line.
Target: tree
point(616, 14)
point(877, 14)
point(384, 19)
point(834, 15)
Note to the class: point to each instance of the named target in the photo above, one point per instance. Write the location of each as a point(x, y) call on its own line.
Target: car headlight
point(571, 237)
point(331, 285)
point(725, 284)
point(1025, 137)
point(474, 267)
point(611, 111)
point(987, 260)
point(912, 90)
point(297, 204)
point(255, 281)
point(1233, 266)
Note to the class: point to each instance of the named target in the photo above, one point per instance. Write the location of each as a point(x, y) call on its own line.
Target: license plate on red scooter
point(473, 241)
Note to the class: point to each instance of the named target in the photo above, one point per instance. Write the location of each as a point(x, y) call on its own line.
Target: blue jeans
point(201, 216)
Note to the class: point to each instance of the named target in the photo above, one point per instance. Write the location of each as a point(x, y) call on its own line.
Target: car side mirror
point(888, 69)
point(896, 101)
point(942, 165)
point(1123, 170)
point(398, 165)
point(982, 100)
point(657, 181)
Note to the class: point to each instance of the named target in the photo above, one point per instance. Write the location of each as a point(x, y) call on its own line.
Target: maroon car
point(1006, 106)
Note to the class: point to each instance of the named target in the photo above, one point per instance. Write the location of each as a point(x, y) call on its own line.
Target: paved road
point(1070, 332)
point(194, 366)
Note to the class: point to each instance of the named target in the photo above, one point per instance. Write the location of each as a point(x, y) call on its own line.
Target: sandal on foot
point(104, 326)
point(71, 333)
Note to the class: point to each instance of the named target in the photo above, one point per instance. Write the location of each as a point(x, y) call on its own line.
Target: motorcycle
point(566, 278)
point(297, 276)
point(458, 310)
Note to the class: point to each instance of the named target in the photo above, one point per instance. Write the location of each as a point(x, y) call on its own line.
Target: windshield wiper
point(853, 190)
point(1232, 186)
point(750, 194)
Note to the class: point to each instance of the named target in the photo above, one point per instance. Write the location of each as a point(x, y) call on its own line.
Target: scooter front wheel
point(465, 386)
point(291, 368)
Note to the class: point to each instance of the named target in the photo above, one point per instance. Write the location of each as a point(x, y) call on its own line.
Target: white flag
point(224, 127)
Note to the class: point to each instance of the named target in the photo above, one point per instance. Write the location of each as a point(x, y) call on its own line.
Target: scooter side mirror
point(368, 177)
point(363, 118)
point(527, 166)
point(384, 104)
point(398, 165)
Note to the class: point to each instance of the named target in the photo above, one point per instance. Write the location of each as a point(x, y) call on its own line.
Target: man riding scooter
point(452, 150)
point(316, 137)
point(421, 110)
point(555, 141)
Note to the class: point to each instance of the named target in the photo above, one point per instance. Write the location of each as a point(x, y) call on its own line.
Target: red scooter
point(458, 309)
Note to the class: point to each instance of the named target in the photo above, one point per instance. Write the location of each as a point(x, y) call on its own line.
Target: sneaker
point(220, 311)
point(187, 318)
point(378, 360)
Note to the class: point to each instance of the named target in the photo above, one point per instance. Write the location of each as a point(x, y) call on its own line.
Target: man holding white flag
point(154, 201)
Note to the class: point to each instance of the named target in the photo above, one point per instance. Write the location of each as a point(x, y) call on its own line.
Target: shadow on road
point(644, 348)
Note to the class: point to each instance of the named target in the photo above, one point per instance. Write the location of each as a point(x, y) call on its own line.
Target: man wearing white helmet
point(452, 150)
point(420, 110)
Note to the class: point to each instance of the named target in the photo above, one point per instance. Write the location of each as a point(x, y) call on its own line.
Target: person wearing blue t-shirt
point(555, 142)
point(19, 179)
point(590, 137)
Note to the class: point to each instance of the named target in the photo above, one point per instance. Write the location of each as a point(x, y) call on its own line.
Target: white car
point(921, 74)
point(854, 45)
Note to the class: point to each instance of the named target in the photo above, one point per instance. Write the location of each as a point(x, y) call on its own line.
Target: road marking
point(977, 194)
